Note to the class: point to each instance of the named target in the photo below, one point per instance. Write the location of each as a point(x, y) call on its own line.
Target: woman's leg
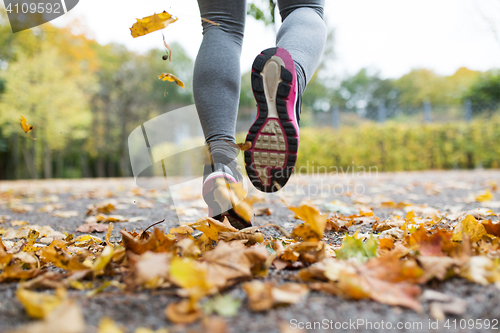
point(279, 77)
point(216, 78)
point(303, 35)
point(216, 90)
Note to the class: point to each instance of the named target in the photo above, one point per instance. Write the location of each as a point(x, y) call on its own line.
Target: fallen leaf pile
point(385, 260)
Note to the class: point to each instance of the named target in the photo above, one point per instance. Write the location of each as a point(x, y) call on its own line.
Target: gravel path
point(446, 191)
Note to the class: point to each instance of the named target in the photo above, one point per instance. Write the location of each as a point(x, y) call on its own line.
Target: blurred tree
point(418, 86)
point(484, 94)
point(263, 10)
point(40, 89)
point(364, 92)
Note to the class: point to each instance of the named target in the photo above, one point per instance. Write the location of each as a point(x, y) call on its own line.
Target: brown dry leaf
point(105, 207)
point(314, 225)
point(211, 227)
point(157, 241)
point(307, 252)
point(60, 258)
point(214, 324)
point(182, 229)
point(150, 269)
point(15, 272)
point(251, 237)
point(430, 243)
point(338, 223)
point(183, 312)
point(470, 227)
point(65, 214)
point(437, 267)
point(233, 260)
point(263, 296)
point(107, 237)
point(171, 78)
point(388, 224)
point(26, 127)
point(264, 211)
point(492, 228)
point(39, 305)
point(392, 268)
point(67, 318)
point(151, 23)
point(92, 227)
point(187, 248)
point(350, 281)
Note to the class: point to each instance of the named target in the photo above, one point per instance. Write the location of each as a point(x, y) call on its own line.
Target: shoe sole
point(274, 134)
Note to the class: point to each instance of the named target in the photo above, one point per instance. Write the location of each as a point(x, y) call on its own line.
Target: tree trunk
point(15, 156)
point(47, 162)
point(60, 164)
point(29, 158)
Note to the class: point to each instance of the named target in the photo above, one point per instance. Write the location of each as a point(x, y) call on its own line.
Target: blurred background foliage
point(85, 98)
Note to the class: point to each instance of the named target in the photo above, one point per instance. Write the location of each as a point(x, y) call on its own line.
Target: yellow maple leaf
point(26, 127)
point(151, 23)
point(171, 78)
point(312, 218)
point(471, 227)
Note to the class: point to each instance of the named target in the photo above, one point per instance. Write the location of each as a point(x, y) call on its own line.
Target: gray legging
point(216, 81)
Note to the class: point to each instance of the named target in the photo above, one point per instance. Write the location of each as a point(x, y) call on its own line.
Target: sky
point(389, 36)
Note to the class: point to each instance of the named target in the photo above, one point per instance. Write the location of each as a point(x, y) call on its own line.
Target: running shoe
point(275, 133)
point(218, 193)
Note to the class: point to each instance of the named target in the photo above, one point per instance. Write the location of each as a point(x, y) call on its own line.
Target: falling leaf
point(171, 78)
point(151, 23)
point(26, 127)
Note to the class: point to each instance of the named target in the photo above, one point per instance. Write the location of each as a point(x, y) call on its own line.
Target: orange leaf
point(151, 23)
point(171, 78)
point(26, 127)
